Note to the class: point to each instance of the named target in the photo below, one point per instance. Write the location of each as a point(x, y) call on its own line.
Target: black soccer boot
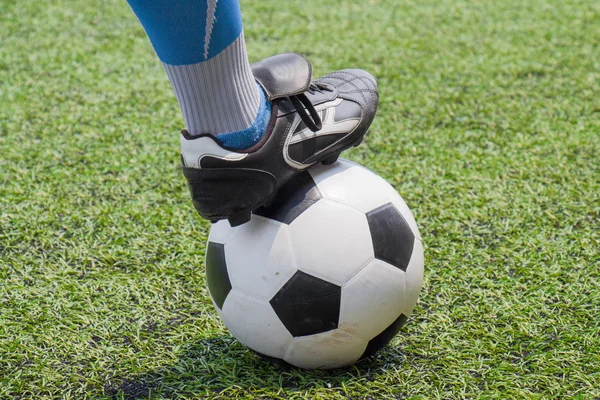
point(311, 122)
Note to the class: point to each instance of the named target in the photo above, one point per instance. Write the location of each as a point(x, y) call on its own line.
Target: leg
point(251, 129)
point(201, 45)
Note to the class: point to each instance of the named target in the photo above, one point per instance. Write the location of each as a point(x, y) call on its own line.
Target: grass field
point(489, 127)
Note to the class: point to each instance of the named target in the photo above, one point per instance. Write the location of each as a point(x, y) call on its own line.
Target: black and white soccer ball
point(325, 276)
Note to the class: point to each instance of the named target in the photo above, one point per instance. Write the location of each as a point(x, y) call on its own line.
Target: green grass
point(489, 127)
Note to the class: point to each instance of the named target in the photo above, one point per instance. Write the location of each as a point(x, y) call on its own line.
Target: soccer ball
point(325, 276)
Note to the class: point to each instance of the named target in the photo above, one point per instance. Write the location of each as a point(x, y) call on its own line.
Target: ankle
point(253, 134)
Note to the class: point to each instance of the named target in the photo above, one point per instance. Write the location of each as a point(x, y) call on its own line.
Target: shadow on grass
point(213, 367)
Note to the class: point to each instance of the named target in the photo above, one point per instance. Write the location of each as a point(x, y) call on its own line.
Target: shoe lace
point(319, 87)
point(306, 109)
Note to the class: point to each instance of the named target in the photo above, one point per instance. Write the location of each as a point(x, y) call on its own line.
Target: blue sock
point(253, 134)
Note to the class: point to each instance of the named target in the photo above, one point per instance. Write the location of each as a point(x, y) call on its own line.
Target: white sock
point(219, 95)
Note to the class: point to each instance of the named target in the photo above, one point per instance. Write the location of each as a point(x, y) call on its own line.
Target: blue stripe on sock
point(177, 28)
point(251, 135)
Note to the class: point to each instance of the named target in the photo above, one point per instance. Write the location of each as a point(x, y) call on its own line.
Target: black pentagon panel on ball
point(293, 199)
point(217, 277)
point(307, 305)
point(393, 240)
point(379, 341)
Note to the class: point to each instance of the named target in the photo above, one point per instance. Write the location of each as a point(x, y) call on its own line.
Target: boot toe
point(356, 85)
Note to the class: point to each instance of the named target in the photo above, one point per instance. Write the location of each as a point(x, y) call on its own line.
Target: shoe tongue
point(283, 75)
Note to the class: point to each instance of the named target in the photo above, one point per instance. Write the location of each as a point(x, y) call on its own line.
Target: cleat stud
point(240, 218)
point(331, 159)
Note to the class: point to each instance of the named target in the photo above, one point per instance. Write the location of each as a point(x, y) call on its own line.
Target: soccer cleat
point(311, 122)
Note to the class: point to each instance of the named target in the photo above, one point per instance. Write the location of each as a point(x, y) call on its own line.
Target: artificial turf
point(489, 127)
